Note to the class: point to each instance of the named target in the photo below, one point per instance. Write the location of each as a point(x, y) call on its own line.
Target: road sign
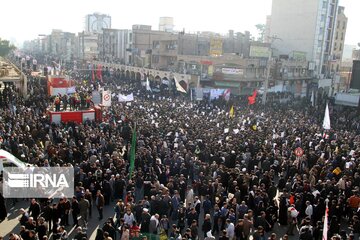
point(106, 99)
point(299, 152)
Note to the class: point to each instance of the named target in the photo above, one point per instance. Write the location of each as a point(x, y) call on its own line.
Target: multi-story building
point(94, 23)
point(87, 46)
point(238, 43)
point(160, 49)
point(339, 40)
point(145, 41)
point(305, 26)
point(115, 45)
point(58, 43)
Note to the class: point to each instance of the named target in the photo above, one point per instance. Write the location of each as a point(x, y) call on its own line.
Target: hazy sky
point(25, 20)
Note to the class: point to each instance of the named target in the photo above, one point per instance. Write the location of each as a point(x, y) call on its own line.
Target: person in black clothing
point(75, 210)
point(206, 227)
point(34, 209)
point(47, 214)
point(3, 212)
point(109, 227)
point(41, 228)
point(181, 218)
point(99, 234)
point(192, 215)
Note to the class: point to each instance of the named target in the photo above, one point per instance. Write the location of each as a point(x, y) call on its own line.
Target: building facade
point(305, 26)
point(94, 23)
point(115, 45)
point(339, 41)
point(87, 46)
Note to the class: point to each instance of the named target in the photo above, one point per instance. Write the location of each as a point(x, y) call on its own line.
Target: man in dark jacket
point(75, 210)
point(206, 227)
point(34, 209)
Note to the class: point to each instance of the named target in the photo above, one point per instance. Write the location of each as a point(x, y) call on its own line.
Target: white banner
point(71, 90)
point(126, 98)
point(233, 71)
point(106, 98)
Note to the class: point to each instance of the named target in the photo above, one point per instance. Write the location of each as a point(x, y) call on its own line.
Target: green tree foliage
point(261, 31)
point(5, 47)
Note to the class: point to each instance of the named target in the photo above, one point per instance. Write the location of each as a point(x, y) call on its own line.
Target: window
point(342, 36)
point(324, 4)
point(338, 24)
point(340, 47)
point(322, 17)
point(344, 25)
point(336, 35)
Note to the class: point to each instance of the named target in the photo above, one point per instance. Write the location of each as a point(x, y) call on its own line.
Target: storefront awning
point(227, 84)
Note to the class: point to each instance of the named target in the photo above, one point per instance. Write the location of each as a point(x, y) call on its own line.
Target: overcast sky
point(24, 20)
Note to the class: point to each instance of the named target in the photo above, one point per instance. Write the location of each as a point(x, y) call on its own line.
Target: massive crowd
point(199, 174)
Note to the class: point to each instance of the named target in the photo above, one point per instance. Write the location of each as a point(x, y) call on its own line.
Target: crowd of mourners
point(199, 174)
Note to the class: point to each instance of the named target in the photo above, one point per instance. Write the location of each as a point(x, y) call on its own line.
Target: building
point(145, 41)
point(87, 46)
point(115, 45)
point(355, 54)
point(339, 40)
point(307, 27)
point(94, 23)
point(58, 43)
point(166, 24)
point(238, 43)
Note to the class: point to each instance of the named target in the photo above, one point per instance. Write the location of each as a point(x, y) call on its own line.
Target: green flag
point(132, 152)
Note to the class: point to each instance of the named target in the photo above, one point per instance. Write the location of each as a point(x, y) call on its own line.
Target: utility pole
point(267, 76)
point(268, 67)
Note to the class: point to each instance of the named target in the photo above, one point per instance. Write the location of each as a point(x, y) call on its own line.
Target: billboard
point(259, 52)
point(232, 71)
point(216, 46)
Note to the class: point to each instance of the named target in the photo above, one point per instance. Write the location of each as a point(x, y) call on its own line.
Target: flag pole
point(325, 227)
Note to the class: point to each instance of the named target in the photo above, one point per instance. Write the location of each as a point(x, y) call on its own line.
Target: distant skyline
point(25, 20)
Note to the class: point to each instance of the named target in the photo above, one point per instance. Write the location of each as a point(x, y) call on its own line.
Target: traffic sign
point(299, 152)
point(107, 97)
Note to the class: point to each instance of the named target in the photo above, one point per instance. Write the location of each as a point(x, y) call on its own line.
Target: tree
point(5, 47)
point(261, 32)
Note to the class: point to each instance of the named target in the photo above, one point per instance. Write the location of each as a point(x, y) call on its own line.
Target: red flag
point(252, 98)
point(98, 72)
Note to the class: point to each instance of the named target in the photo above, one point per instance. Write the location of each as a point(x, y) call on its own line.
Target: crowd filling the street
point(171, 167)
